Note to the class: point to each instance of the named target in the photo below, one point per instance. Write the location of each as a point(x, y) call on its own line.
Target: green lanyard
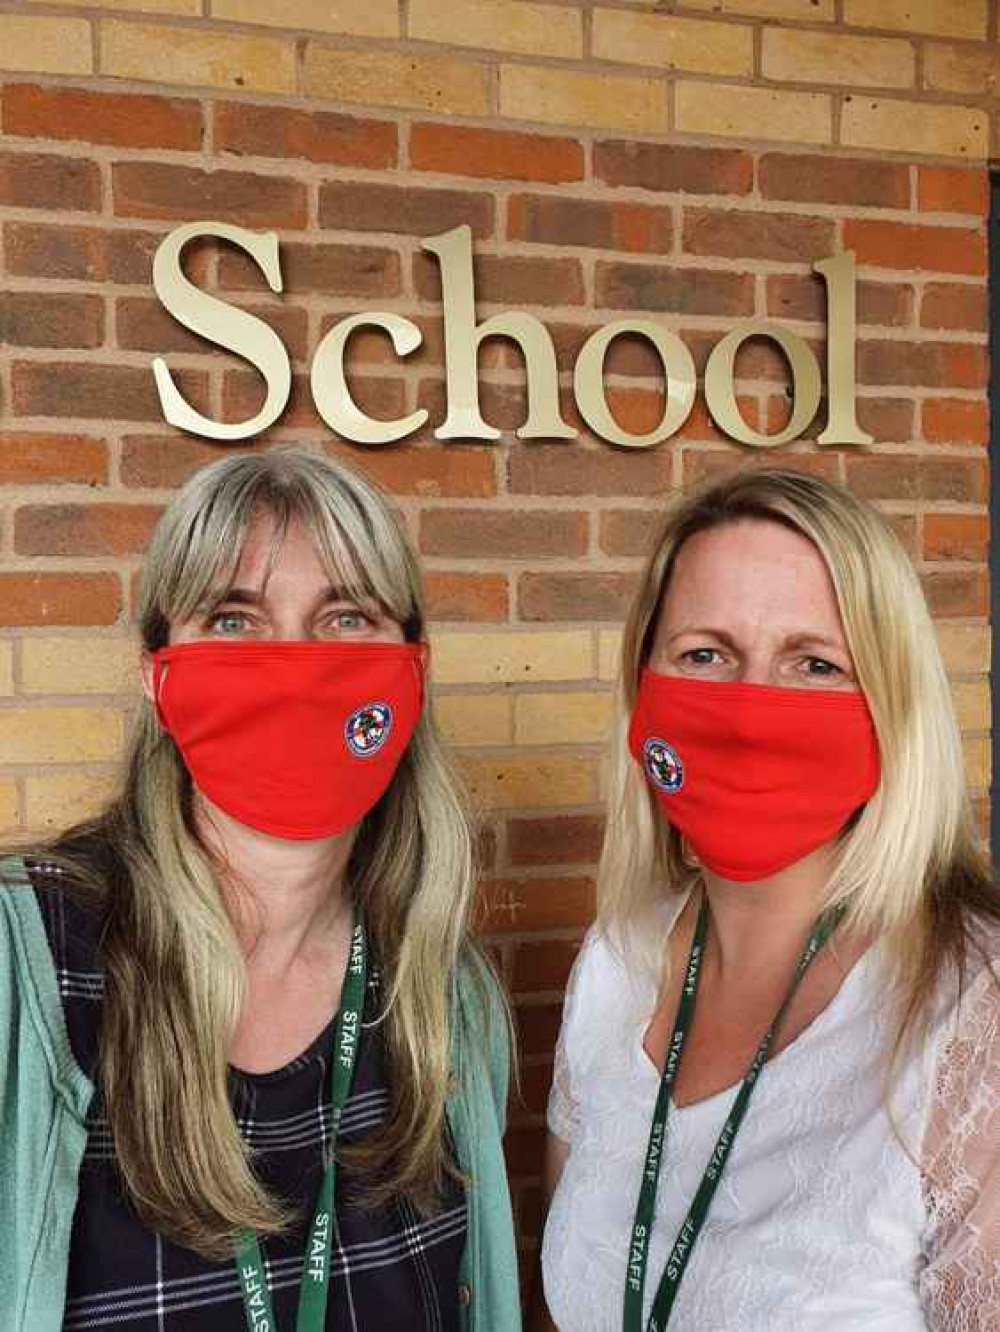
point(315, 1289)
point(635, 1276)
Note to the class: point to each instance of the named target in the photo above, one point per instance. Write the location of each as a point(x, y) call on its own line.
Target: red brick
point(175, 193)
point(556, 840)
point(957, 595)
point(925, 248)
point(887, 420)
point(460, 150)
point(431, 471)
point(143, 324)
point(504, 534)
point(86, 253)
point(372, 345)
point(43, 319)
point(858, 182)
point(509, 280)
point(533, 1086)
point(673, 290)
point(28, 458)
point(362, 271)
point(950, 305)
point(575, 596)
point(96, 392)
point(712, 464)
point(628, 533)
point(84, 529)
point(402, 209)
point(909, 477)
point(956, 421)
point(318, 136)
point(56, 598)
point(537, 1027)
point(469, 597)
point(578, 469)
point(956, 536)
point(544, 965)
point(890, 304)
point(128, 120)
point(700, 426)
point(738, 234)
point(674, 169)
point(904, 528)
point(953, 190)
point(42, 180)
point(550, 220)
point(922, 364)
point(514, 905)
point(164, 462)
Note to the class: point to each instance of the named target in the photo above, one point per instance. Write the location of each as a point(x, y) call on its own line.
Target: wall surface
point(683, 160)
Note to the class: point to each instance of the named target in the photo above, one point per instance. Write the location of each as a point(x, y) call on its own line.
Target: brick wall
point(686, 160)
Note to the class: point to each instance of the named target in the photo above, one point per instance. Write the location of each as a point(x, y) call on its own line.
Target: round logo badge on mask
point(368, 729)
point(663, 765)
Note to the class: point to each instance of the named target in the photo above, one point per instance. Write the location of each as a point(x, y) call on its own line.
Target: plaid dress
point(393, 1270)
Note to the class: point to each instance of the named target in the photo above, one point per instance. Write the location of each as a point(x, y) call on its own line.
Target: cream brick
point(385, 78)
point(964, 647)
point(6, 668)
point(59, 799)
point(192, 7)
point(375, 18)
point(568, 97)
point(530, 783)
point(197, 56)
point(800, 56)
point(972, 704)
point(753, 113)
point(977, 762)
point(45, 45)
point(499, 25)
point(79, 666)
point(962, 69)
point(944, 18)
point(59, 735)
point(813, 11)
point(673, 43)
point(609, 653)
point(915, 127)
point(469, 720)
point(479, 658)
point(9, 814)
point(562, 719)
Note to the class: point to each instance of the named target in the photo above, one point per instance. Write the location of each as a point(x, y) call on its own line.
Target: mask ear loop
point(160, 670)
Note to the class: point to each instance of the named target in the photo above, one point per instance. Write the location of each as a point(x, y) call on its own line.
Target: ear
point(146, 671)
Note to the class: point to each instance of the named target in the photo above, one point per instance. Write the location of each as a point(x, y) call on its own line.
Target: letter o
point(588, 382)
point(720, 390)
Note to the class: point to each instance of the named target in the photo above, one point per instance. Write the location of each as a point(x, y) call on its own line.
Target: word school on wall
point(248, 336)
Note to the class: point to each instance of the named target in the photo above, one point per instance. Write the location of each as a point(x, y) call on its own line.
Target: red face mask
point(754, 776)
point(299, 739)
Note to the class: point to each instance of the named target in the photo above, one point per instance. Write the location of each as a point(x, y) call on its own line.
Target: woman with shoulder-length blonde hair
point(253, 1070)
point(776, 1102)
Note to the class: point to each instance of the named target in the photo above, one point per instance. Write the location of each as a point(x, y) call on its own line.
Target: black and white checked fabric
point(392, 1268)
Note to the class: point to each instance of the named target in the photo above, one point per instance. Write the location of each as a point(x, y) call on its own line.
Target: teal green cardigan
point(44, 1096)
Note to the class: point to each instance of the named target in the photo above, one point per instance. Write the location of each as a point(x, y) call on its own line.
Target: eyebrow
point(248, 596)
point(804, 639)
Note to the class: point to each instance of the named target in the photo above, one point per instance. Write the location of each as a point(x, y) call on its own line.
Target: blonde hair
point(909, 869)
point(175, 973)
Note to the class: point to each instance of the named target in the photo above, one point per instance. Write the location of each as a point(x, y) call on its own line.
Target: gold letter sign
point(243, 333)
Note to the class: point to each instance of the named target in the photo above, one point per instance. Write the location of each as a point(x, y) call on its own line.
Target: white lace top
point(822, 1222)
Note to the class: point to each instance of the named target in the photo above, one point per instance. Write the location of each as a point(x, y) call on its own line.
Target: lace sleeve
point(562, 1115)
point(960, 1285)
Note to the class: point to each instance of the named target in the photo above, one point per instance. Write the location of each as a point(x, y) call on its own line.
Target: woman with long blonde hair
point(253, 1070)
point(776, 1101)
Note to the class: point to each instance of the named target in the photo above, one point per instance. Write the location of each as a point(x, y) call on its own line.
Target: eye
point(819, 666)
point(702, 657)
point(227, 623)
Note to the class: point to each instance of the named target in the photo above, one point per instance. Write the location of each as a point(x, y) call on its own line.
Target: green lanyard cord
point(638, 1256)
point(314, 1292)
